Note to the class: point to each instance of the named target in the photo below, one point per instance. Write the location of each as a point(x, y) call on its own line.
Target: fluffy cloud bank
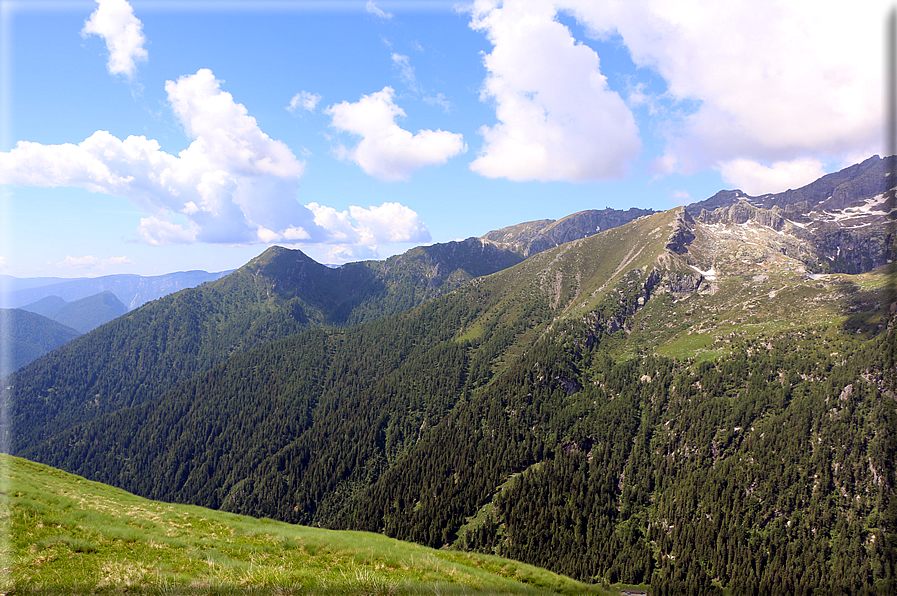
point(114, 21)
point(233, 184)
point(754, 88)
point(305, 100)
point(388, 223)
point(557, 118)
point(756, 179)
point(92, 263)
point(386, 151)
point(774, 82)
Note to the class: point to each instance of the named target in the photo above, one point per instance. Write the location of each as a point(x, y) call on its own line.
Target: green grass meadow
point(68, 535)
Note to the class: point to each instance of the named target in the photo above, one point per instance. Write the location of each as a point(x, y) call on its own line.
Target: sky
point(156, 136)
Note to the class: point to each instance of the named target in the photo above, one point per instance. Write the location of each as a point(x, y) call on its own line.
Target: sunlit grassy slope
point(68, 535)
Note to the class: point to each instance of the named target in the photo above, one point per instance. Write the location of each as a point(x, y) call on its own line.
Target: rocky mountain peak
point(848, 188)
point(841, 223)
point(682, 234)
point(533, 237)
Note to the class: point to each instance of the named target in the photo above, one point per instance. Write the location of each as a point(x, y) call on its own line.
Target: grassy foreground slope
point(70, 535)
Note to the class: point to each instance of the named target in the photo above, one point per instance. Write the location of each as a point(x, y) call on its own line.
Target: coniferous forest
point(619, 419)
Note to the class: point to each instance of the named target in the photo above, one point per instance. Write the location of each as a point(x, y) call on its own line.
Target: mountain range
point(33, 330)
point(701, 399)
point(132, 290)
point(81, 315)
point(837, 224)
point(80, 304)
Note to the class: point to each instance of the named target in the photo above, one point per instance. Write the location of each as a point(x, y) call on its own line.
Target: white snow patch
point(873, 206)
point(709, 275)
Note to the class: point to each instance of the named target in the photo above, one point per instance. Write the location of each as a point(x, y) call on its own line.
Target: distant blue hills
point(40, 314)
point(132, 290)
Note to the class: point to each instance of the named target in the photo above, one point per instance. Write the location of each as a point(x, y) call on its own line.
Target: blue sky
point(154, 136)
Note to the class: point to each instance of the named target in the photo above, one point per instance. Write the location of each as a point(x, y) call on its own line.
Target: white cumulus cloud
point(771, 81)
point(233, 184)
point(92, 263)
point(305, 100)
point(373, 9)
point(347, 253)
point(406, 71)
point(387, 151)
point(682, 197)
point(160, 232)
point(757, 179)
point(114, 21)
point(231, 180)
point(557, 117)
point(389, 223)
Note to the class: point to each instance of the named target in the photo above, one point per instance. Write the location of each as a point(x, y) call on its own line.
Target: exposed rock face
point(723, 198)
point(682, 234)
point(517, 238)
point(851, 252)
point(536, 236)
point(842, 223)
point(763, 227)
point(633, 291)
point(824, 247)
point(743, 212)
point(679, 282)
point(846, 188)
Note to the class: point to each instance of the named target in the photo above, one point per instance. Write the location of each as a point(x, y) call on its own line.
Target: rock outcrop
point(533, 237)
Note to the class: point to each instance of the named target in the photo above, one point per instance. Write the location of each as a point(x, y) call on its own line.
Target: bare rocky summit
point(533, 237)
point(842, 223)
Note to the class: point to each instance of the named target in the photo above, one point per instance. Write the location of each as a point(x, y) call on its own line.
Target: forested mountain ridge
point(27, 336)
point(81, 315)
point(661, 402)
point(489, 314)
point(278, 293)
